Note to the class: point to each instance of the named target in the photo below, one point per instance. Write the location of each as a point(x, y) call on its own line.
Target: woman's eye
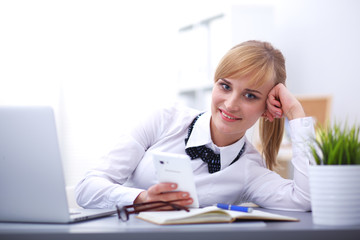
point(225, 87)
point(250, 96)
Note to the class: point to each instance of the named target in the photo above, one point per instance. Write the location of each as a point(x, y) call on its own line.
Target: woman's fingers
point(273, 105)
point(167, 192)
point(164, 192)
point(273, 109)
point(281, 102)
point(161, 187)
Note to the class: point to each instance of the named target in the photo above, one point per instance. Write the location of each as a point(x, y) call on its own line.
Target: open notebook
point(32, 186)
point(210, 214)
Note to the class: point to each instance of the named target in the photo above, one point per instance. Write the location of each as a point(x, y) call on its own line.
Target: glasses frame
point(124, 212)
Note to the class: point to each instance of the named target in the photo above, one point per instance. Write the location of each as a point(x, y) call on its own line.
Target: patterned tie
point(205, 153)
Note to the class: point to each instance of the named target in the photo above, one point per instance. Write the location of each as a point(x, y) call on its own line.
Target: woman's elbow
point(79, 195)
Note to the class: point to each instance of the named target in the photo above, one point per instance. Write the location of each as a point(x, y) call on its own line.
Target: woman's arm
point(103, 186)
point(267, 188)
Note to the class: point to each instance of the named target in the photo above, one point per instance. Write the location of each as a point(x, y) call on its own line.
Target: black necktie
point(205, 153)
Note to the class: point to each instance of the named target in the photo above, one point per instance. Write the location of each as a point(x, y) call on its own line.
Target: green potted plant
point(334, 181)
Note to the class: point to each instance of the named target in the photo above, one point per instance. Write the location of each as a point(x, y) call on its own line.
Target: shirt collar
point(201, 135)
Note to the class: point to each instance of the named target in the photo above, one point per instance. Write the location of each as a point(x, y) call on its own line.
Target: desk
point(112, 228)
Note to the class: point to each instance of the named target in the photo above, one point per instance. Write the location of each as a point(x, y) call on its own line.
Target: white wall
point(320, 40)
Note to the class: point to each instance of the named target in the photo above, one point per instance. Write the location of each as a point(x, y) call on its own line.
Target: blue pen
point(234, 207)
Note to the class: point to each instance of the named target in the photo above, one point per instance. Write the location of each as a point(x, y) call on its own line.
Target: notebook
point(32, 185)
point(209, 214)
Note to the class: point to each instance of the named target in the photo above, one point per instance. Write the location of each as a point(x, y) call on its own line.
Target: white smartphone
point(176, 168)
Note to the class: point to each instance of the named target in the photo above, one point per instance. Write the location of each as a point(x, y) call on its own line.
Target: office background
point(103, 65)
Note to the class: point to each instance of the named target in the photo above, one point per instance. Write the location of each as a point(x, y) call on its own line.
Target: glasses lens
point(123, 214)
point(178, 207)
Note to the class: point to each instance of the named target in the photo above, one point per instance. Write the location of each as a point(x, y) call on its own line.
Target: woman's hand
point(281, 102)
point(164, 192)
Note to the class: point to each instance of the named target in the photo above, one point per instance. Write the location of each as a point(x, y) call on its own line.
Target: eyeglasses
point(124, 212)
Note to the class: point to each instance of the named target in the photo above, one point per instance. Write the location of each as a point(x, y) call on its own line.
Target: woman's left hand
point(280, 102)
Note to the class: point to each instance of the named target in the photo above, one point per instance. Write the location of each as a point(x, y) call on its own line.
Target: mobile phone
point(176, 168)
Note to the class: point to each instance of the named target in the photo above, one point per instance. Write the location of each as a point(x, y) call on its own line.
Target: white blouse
point(128, 169)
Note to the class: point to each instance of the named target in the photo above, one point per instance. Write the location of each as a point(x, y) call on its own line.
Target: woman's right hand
point(164, 192)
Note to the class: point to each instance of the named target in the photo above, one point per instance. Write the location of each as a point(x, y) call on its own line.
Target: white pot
point(335, 194)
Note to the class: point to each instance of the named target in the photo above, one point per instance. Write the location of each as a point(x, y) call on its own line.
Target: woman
point(249, 84)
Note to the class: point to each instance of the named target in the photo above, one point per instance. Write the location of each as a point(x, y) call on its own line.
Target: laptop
point(32, 185)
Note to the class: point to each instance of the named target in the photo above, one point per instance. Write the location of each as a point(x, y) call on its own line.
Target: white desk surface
point(113, 228)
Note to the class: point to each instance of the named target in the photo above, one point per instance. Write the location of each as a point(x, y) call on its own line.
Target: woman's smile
point(227, 116)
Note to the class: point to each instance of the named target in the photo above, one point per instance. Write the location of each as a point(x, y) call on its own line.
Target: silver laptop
point(32, 186)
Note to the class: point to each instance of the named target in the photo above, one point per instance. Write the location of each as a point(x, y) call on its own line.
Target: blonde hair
point(260, 62)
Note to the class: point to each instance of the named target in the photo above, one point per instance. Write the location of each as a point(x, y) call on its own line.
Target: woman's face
point(236, 106)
